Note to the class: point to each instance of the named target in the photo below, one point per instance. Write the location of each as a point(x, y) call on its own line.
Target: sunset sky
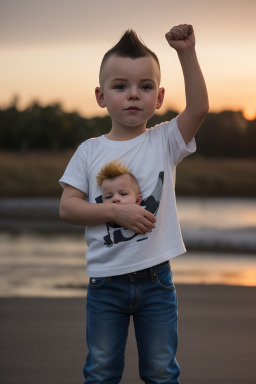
point(50, 50)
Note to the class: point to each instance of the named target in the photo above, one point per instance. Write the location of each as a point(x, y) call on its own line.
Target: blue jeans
point(149, 295)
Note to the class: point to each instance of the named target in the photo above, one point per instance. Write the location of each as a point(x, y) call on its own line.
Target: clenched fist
point(181, 37)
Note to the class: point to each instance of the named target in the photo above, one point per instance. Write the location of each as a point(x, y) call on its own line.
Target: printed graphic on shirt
point(117, 234)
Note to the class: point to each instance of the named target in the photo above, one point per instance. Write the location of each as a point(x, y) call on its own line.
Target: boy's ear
point(100, 97)
point(160, 98)
point(139, 199)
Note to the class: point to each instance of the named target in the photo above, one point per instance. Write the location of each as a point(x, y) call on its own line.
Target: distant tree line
point(224, 134)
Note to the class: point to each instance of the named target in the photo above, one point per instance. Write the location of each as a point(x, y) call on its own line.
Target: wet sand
point(43, 339)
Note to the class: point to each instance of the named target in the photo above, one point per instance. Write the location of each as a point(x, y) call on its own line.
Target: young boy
point(132, 276)
point(118, 184)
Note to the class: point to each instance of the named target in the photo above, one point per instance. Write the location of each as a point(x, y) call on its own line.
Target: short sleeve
point(178, 149)
point(76, 173)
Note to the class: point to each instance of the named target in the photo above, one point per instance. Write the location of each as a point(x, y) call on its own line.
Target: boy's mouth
point(133, 108)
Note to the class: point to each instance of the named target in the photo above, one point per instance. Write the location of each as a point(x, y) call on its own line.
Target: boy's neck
point(123, 133)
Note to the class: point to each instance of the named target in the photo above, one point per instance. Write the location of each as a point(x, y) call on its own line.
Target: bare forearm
point(182, 39)
point(79, 212)
point(196, 93)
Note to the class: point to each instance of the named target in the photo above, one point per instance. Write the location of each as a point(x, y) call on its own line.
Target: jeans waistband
point(148, 271)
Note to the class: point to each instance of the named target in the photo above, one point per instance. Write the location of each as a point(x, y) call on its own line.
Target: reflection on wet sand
point(54, 266)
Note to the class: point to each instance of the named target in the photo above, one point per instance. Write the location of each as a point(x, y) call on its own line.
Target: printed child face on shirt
point(122, 189)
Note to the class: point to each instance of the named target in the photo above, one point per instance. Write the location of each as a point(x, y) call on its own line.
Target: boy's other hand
point(181, 37)
point(133, 217)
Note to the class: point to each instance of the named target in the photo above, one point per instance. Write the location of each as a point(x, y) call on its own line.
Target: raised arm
point(182, 39)
point(75, 210)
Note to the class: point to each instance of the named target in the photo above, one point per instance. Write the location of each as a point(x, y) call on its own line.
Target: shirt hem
point(143, 265)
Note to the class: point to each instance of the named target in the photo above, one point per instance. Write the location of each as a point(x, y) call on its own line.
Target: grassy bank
point(37, 174)
point(216, 177)
point(31, 174)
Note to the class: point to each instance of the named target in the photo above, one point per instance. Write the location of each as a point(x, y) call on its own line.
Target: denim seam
point(170, 288)
point(133, 307)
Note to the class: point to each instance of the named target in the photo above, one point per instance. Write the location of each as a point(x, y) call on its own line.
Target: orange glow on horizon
point(249, 114)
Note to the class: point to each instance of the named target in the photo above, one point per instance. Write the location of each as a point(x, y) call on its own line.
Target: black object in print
point(116, 233)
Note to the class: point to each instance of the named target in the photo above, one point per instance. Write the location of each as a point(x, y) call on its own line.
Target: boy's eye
point(146, 87)
point(119, 87)
point(107, 197)
point(124, 194)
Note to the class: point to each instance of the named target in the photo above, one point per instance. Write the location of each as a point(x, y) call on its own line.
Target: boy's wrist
point(110, 212)
point(186, 52)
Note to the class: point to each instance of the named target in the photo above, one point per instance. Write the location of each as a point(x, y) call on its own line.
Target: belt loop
point(152, 274)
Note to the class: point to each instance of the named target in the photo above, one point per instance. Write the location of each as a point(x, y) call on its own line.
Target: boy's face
point(121, 190)
point(130, 89)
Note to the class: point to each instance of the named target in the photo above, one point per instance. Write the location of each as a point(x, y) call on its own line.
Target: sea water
point(34, 263)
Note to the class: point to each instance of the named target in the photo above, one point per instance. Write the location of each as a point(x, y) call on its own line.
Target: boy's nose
point(116, 199)
point(134, 94)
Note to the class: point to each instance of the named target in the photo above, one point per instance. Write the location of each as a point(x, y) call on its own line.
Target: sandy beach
point(43, 339)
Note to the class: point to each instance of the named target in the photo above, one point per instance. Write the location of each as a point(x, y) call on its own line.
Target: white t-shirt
point(152, 158)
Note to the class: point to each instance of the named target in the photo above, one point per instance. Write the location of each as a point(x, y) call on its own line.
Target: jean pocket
point(97, 282)
point(164, 280)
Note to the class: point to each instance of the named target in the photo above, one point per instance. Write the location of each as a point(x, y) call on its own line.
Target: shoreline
point(233, 241)
point(55, 266)
point(207, 224)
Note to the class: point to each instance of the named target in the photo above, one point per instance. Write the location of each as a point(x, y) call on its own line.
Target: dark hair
point(129, 46)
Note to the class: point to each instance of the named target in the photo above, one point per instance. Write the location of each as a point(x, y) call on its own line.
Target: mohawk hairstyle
point(113, 169)
point(129, 46)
